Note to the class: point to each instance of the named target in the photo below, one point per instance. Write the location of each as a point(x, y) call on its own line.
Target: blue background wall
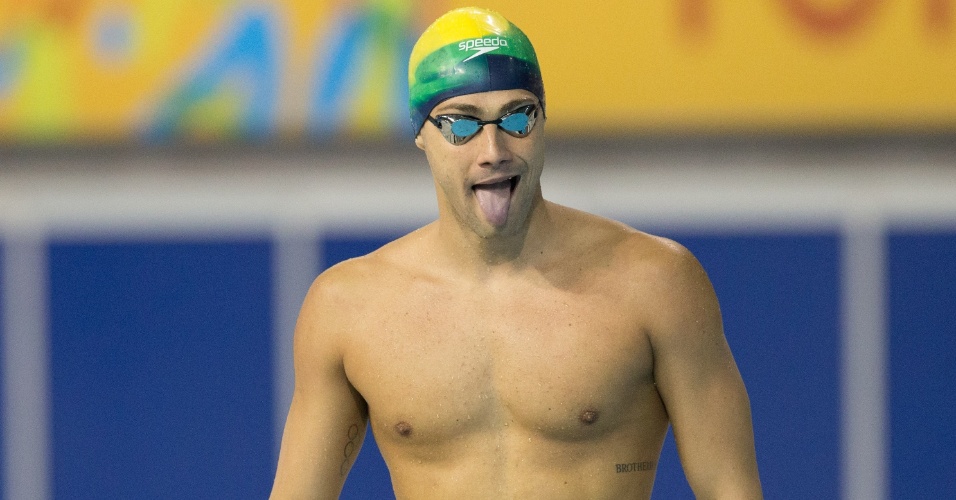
point(161, 383)
point(922, 274)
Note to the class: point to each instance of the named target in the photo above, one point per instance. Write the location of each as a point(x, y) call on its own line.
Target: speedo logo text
point(482, 46)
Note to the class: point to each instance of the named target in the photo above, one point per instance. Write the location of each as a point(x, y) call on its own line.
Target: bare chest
point(559, 365)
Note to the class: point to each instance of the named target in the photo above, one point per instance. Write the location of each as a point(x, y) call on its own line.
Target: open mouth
point(514, 182)
point(495, 198)
point(511, 183)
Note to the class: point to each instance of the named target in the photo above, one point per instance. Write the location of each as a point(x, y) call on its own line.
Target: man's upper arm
point(327, 418)
point(700, 384)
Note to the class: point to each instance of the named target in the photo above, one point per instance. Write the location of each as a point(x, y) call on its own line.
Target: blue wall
point(162, 372)
point(922, 276)
point(162, 376)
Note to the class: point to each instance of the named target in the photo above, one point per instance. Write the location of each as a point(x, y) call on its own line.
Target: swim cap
point(467, 51)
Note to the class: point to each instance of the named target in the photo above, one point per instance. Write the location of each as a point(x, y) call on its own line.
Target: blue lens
point(516, 122)
point(464, 127)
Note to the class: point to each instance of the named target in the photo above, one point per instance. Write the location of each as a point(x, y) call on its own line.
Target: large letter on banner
point(233, 93)
point(831, 22)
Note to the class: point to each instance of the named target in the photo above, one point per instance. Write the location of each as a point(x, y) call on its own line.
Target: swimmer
point(513, 348)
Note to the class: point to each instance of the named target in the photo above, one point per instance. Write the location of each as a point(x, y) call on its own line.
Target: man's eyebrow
point(472, 110)
point(517, 103)
point(461, 108)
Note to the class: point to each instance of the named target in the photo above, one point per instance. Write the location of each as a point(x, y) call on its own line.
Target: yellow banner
point(731, 65)
point(159, 70)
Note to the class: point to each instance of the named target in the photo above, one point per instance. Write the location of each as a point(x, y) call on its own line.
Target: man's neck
point(497, 254)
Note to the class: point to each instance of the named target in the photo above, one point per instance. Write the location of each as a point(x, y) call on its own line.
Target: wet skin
point(537, 355)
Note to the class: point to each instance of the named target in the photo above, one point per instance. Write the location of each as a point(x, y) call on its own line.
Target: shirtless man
point(514, 348)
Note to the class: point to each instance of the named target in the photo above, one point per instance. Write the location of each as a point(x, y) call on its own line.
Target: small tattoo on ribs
point(635, 467)
point(349, 449)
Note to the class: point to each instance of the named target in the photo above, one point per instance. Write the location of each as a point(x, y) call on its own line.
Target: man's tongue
point(494, 200)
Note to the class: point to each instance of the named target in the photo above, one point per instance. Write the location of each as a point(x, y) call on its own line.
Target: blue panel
point(161, 369)
point(780, 297)
point(369, 477)
point(922, 276)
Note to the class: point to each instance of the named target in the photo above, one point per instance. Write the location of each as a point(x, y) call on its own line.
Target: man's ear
point(419, 141)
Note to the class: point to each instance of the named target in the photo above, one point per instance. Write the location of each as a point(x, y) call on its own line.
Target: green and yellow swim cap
point(466, 51)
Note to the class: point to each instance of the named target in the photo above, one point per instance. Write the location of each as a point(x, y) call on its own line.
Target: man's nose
point(493, 149)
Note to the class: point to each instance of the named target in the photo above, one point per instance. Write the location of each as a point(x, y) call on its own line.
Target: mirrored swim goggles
point(458, 129)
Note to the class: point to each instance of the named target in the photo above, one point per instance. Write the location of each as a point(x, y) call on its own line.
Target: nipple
point(403, 429)
point(589, 416)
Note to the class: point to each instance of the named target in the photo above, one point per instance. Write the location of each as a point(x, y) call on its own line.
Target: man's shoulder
point(661, 277)
point(660, 252)
point(629, 247)
point(361, 275)
point(661, 261)
point(666, 277)
point(633, 259)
